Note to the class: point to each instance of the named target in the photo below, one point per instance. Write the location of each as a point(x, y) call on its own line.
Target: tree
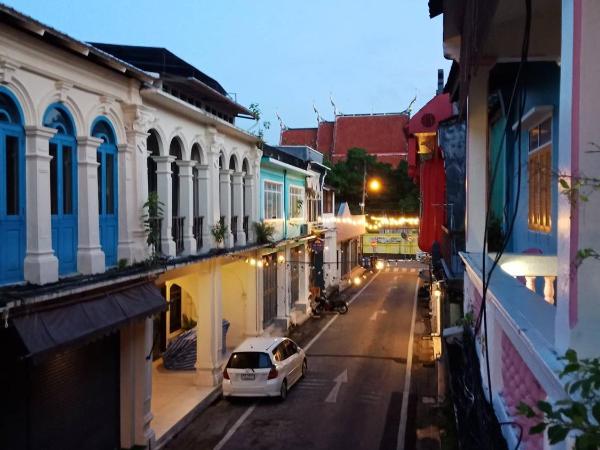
point(399, 194)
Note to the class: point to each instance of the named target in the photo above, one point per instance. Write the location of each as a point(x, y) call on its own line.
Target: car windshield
point(249, 360)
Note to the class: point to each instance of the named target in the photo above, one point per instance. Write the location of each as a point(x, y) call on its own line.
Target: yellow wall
point(404, 242)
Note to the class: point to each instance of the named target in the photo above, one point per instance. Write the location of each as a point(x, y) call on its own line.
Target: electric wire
point(518, 87)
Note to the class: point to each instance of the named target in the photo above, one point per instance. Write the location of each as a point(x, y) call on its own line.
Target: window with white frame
point(273, 200)
point(539, 168)
point(296, 202)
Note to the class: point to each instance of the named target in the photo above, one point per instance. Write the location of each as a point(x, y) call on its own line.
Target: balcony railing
point(529, 268)
point(234, 221)
point(245, 226)
point(198, 231)
point(177, 233)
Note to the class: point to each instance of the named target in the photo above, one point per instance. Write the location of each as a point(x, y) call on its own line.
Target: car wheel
point(283, 390)
point(304, 368)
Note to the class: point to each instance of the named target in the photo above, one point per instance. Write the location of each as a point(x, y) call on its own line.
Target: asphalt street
point(352, 395)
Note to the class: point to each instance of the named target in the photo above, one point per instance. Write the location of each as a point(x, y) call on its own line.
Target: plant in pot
point(151, 221)
point(218, 231)
point(264, 232)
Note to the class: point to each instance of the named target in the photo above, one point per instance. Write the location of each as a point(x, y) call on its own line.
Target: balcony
point(177, 233)
point(197, 230)
point(233, 229)
point(537, 272)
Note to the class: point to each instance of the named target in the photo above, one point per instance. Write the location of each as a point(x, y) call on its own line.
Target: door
point(293, 361)
point(107, 191)
point(68, 401)
point(269, 290)
point(63, 202)
point(12, 205)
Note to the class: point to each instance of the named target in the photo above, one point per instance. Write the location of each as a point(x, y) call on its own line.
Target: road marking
point(244, 416)
point(406, 392)
point(341, 378)
point(381, 311)
point(234, 428)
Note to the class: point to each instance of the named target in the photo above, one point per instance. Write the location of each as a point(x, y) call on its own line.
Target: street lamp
point(374, 185)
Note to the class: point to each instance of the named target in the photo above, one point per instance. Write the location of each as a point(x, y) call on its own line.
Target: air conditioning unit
point(304, 229)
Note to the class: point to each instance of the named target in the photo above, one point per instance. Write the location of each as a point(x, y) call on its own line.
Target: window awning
point(77, 323)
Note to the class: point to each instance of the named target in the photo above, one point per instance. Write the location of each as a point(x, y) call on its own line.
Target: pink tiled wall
point(520, 385)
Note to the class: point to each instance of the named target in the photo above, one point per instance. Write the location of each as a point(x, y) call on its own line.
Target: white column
point(138, 141)
point(186, 204)
point(238, 206)
point(209, 328)
point(250, 198)
point(128, 208)
point(225, 203)
point(41, 264)
point(163, 175)
point(204, 201)
point(476, 176)
point(90, 257)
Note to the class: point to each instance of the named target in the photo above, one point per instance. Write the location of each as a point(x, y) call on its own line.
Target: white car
point(264, 367)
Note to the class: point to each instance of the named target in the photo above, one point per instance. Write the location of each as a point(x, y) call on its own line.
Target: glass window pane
point(67, 178)
point(545, 131)
point(99, 161)
point(110, 179)
point(533, 138)
point(12, 176)
point(53, 179)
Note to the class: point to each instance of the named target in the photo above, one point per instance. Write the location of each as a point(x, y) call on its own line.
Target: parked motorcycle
point(330, 302)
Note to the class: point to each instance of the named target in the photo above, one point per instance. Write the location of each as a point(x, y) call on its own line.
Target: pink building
point(541, 300)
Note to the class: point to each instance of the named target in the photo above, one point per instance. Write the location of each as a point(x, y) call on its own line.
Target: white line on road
point(341, 378)
point(334, 318)
point(406, 392)
point(244, 416)
point(234, 428)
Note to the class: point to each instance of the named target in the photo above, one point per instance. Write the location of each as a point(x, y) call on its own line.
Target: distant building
point(381, 135)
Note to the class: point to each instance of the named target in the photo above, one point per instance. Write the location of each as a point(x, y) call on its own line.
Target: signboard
point(404, 242)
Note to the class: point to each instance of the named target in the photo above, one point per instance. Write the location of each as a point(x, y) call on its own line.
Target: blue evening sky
point(370, 56)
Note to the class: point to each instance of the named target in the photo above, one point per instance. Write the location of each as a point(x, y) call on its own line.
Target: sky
point(285, 55)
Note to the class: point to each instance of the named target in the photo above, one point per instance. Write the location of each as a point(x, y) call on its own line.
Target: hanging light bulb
point(252, 262)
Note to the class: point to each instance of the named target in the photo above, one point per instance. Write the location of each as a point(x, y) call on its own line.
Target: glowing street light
point(374, 185)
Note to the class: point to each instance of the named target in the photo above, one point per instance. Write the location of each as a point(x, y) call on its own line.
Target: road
point(352, 396)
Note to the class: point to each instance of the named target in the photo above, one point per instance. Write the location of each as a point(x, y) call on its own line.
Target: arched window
point(174, 308)
point(152, 145)
point(107, 189)
point(12, 189)
point(177, 221)
point(233, 168)
point(63, 186)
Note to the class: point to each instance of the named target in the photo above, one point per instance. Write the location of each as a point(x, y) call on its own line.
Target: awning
point(77, 323)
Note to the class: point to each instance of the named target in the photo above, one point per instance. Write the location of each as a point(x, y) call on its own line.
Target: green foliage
point(218, 231)
point(581, 415)
point(264, 232)
point(399, 193)
point(122, 263)
point(258, 128)
point(467, 320)
point(153, 214)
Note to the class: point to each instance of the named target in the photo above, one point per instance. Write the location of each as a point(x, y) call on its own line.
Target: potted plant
point(151, 221)
point(218, 231)
point(264, 232)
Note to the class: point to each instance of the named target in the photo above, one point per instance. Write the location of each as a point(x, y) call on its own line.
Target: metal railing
point(198, 231)
point(234, 228)
point(177, 233)
point(245, 223)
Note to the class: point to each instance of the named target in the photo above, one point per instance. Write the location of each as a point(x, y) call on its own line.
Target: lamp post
point(374, 185)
